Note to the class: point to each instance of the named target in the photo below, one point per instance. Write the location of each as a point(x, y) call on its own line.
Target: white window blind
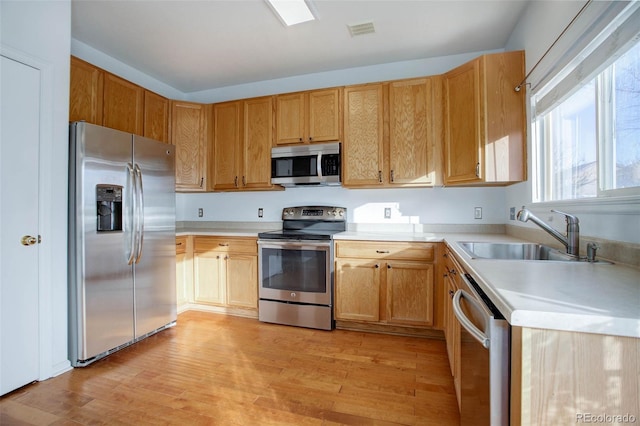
point(608, 29)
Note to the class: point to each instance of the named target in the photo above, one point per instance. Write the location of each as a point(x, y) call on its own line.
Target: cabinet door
point(258, 140)
point(463, 124)
point(156, 117)
point(410, 293)
point(290, 118)
point(362, 149)
point(123, 105)
point(227, 149)
point(181, 280)
point(242, 281)
point(188, 126)
point(357, 290)
point(411, 159)
point(324, 115)
point(209, 278)
point(85, 94)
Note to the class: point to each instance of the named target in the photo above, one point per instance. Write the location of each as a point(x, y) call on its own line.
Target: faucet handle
point(571, 219)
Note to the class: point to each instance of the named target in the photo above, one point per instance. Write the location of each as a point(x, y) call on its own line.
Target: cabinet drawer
point(181, 244)
point(385, 250)
point(247, 245)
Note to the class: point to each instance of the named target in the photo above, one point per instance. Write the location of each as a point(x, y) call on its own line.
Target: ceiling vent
point(361, 29)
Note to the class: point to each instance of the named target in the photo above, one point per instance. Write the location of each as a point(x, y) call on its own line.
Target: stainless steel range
point(296, 267)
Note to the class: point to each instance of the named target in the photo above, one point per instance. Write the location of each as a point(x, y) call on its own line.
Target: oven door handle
point(466, 322)
point(309, 245)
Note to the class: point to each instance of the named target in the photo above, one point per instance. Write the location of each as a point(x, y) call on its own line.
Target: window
point(586, 132)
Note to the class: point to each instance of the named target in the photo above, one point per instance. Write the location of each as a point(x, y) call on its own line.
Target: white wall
point(42, 30)
point(538, 28)
point(408, 206)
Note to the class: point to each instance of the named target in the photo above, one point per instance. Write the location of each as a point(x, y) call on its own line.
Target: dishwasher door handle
point(466, 322)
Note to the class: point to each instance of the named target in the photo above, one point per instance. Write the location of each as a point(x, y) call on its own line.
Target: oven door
point(296, 271)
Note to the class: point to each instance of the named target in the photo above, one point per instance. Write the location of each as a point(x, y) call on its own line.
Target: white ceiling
point(208, 44)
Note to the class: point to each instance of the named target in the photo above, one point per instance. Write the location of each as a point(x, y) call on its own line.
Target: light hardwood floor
point(216, 369)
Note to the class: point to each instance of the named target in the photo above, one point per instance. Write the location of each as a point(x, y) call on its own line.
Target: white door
point(19, 165)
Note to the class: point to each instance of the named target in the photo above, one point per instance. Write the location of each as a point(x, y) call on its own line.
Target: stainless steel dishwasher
point(484, 357)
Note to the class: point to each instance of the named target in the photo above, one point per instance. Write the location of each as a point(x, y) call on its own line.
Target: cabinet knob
point(451, 293)
point(223, 244)
point(380, 176)
point(388, 266)
point(377, 266)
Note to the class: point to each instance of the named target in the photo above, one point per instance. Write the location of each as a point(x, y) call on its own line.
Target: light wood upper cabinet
point(392, 133)
point(123, 105)
point(86, 92)
point(243, 137)
point(227, 145)
point(156, 117)
point(414, 107)
point(485, 132)
point(308, 117)
point(188, 134)
point(258, 140)
point(363, 144)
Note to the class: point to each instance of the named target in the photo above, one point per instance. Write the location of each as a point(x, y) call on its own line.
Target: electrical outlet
point(477, 213)
point(260, 212)
point(387, 212)
point(200, 212)
point(512, 213)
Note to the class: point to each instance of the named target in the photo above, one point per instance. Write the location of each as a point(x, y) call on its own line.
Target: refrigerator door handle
point(130, 223)
point(139, 212)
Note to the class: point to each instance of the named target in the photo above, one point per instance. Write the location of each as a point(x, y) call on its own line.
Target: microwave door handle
point(319, 165)
point(464, 321)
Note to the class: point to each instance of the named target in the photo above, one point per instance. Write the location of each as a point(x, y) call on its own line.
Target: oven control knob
point(293, 295)
point(341, 212)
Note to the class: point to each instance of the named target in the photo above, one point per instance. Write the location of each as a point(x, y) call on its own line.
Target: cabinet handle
point(380, 176)
point(451, 293)
point(201, 182)
point(391, 175)
point(244, 181)
point(178, 244)
point(382, 251)
point(223, 244)
point(235, 181)
point(445, 255)
point(477, 169)
point(310, 139)
point(226, 258)
point(218, 257)
point(300, 139)
point(452, 272)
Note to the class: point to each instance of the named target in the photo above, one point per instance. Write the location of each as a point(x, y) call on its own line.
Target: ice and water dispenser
point(109, 208)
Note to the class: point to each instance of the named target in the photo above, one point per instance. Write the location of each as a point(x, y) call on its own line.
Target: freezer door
point(155, 273)
point(101, 280)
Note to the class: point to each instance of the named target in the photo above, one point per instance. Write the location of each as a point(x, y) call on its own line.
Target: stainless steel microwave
point(314, 164)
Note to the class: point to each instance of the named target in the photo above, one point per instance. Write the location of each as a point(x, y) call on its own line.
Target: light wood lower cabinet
point(562, 378)
point(388, 283)
point(184, 272)
point(226, 272)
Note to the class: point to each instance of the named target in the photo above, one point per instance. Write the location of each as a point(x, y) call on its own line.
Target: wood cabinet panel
point(247, 245)
point(362, 148)
point(123, 105)
point(184, 271)
point(227, 144)
point(188, 134)
point(86, 92)
point(290, 119)
point(156, 117)
point(258, 140)
point(411, 159)
point(485, 130)
point(410, 287)
point(209, 278)
point(357, 290)
point(324, 115)
point(242, 281)
point(385, 250)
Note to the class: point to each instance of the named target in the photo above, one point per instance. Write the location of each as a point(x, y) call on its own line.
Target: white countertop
point(567, 296)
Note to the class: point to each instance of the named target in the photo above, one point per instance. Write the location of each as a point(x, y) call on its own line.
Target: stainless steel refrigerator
point(121, 240)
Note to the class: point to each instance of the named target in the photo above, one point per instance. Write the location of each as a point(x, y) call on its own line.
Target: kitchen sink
point(514, 251)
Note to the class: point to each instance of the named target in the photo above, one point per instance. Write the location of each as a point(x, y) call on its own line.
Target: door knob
point(28, 240)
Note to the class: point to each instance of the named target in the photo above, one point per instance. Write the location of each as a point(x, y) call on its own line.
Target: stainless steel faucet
point(571, 241)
